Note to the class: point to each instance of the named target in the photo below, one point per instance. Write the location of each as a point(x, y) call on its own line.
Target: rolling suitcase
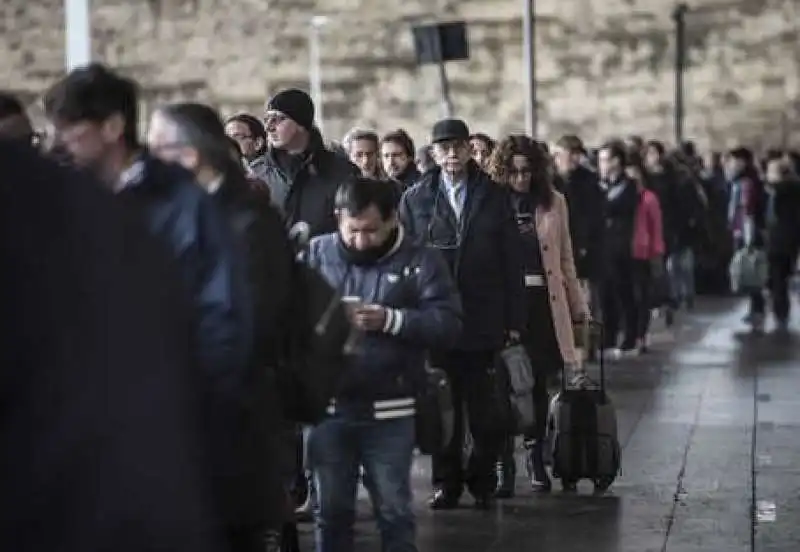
point(583, 434)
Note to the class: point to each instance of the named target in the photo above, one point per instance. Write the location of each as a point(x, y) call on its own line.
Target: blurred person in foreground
point(94, 114)
point(99, 406)
point(257, 501)
point(14, 121)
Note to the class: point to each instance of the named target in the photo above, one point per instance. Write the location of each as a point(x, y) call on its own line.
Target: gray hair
point(355, 134)
point(199, 126)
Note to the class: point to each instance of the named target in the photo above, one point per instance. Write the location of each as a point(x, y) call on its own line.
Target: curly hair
point(501, 162)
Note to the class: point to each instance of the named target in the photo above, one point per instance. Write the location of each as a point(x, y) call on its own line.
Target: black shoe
point(484, 502)
point(537, 472)
point(569, 486)
point(442, 500)
point(669, 317)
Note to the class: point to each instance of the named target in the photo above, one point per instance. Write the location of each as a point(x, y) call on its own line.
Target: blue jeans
point(336, 449)
point(680, 268)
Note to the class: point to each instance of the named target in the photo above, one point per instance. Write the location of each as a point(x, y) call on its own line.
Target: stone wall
point(604, 66)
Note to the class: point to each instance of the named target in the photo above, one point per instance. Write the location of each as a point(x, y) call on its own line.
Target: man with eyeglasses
point(457, 209)
point(14, 122)
point(302, 174)
point(251, 136)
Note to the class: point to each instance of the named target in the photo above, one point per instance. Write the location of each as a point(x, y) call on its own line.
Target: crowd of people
point(437, 256)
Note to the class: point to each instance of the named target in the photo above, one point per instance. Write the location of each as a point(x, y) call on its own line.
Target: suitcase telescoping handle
point(587, 330)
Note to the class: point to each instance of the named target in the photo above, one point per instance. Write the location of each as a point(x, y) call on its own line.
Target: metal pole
point(444, 83)
point(315, 68)
point(529, 57)
point(78, 33)
point(447, 102)
point(679, 15)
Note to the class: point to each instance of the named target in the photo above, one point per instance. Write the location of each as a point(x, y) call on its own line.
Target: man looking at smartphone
point(402, 301)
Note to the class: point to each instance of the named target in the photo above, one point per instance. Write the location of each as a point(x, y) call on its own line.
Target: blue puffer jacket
point(425, 313)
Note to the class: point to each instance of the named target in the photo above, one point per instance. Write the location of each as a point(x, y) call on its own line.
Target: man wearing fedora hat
point(457, 209)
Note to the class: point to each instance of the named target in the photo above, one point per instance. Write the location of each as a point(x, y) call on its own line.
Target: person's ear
point(113, 128)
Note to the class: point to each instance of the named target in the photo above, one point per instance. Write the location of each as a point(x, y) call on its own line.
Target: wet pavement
point(710, 427)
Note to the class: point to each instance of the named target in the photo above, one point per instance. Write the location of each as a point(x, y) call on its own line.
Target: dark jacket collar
point(475, 177)
point(312, 156)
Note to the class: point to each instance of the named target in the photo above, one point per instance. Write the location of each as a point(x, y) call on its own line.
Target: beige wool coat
point(567, 300)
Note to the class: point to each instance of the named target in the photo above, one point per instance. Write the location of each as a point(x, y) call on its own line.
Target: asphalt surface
point(709, 422)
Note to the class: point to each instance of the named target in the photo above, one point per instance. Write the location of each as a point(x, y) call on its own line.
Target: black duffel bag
point(435, 416)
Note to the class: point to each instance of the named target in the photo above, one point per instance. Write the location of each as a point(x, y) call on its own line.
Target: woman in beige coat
point(554, 296)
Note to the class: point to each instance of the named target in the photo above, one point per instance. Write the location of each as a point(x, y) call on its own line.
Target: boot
point(506, 471)
point(537, 473)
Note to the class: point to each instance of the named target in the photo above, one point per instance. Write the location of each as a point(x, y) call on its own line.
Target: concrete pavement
point(710, 428)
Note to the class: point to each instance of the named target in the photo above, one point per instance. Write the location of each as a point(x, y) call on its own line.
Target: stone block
point(603, 67)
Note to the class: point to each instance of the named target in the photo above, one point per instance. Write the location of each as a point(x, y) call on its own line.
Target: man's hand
point(369, 318)
point(512, 337)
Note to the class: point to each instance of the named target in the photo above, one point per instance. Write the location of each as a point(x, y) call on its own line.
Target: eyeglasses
point(167, 146)
point(274, 118)
point(241, 136)
point(520, 172)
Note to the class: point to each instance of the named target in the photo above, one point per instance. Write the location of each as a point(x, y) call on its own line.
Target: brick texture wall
point(604, 66)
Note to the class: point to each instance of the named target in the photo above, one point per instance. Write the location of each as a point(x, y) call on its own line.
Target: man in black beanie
point(302, 174)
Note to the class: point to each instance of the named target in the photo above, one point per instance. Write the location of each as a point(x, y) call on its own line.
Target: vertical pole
point(444, 83)
point(315, 68)
point(679, 15)
point(78, 33)
point(529, 61)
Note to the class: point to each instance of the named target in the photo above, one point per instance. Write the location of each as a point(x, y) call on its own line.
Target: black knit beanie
point(296, 105)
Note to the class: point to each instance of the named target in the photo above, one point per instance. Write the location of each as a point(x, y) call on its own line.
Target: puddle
point(766, 511)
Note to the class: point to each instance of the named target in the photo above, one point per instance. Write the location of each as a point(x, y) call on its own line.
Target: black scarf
point(372, 255)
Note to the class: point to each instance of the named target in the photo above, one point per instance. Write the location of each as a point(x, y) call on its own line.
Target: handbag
point(515, 366)
point(749, 270)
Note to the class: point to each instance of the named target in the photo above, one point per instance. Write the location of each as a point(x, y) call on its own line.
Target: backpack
point(317, 332)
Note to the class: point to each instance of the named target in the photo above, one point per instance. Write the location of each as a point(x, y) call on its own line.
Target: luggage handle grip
point(587, 341)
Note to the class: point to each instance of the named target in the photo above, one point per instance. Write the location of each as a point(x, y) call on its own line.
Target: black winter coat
point(255, 493)
point(483, 250)
point(586, 204)
point(304, 187)
point(98, 409)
